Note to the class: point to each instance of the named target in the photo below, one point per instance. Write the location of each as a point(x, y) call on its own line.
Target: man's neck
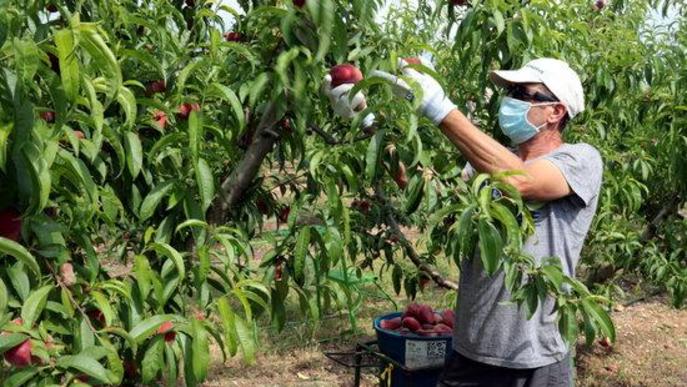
point(541, 144)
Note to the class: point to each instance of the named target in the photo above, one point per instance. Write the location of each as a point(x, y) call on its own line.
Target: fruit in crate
point(421, 320)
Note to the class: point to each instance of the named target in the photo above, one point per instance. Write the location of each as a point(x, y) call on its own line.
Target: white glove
point(435, 105)
point(342, 104)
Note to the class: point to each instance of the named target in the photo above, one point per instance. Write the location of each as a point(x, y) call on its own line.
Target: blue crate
point(421, 356)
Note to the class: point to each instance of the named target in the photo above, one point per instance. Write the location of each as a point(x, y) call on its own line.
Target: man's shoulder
point(582, 151)
point(580, 147)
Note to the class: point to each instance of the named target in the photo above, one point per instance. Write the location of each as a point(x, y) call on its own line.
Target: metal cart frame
point(367, 355)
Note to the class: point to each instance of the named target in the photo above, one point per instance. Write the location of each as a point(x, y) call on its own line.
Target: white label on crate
point(420, 354)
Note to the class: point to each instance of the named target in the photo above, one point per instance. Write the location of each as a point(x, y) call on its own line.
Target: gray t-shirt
point(489, 327)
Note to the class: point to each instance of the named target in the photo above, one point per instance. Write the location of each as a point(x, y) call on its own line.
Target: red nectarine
point(48, 116)
point(160, 118)
point(10, 224)
point(411, 323)
point(19, 356)
point(391, 324)
point(185, 110)
point(345, 73)
point(232, 36)
point(167, 329)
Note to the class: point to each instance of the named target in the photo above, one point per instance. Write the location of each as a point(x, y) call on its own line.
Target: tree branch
point(407, 246)
point(234, 186)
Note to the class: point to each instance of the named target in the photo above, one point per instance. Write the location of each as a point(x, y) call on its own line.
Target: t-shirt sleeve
point(582, 168)
point(468, 172)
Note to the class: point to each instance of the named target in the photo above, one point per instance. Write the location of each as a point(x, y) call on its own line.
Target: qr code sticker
point(423, 354)
point(436, 349)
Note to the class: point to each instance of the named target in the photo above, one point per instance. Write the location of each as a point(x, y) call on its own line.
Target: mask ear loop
point(537, 128)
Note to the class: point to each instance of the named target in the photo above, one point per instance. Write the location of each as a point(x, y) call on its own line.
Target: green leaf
point(187, 348)
point(372, 155)
point(115, 363)
point(5, 131)
point(147, 327)
point(127, 101)
point(567, 324)
point(8, 341)
point(414, 194)
point(104, 306)
point(26, 58)
point(229, 325)
point(201, 350)
point(34, 305)
point(507, 219)
point(203, 267)
point(478, 182)
point(466, 234)
point(194, 67)
point(97, 115)
point(299, 255)
point(3, 28)
point(10, 247)
point(171, 369)
point(69, 67)
point(499, 22)
point(19, 278)
point(490, 245)
point(206, 183)
point(257, 87)
point(245, 338)
point(86, 364)
point(104, 59)
point(314, 162)
point(600, 316)
point(283, 61)
point(195, 133)
point(33, 163)
point(171, 253)
point(191, 223)
point(4, 297)
point(152, 360)
point(79, 174)
point(396, 277)
point(553, 273)
point(153, 199)
point(532, 300)
point(20, 378)
point(134, 153)
point(229, 95)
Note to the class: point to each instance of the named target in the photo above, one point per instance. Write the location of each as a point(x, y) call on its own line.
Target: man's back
point(489, 328)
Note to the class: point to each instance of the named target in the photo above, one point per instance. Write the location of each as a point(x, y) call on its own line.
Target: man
point(494, 343)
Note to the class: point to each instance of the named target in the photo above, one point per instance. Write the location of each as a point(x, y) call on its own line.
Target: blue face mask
point(513, 119)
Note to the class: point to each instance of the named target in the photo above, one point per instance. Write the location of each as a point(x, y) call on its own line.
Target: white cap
point(557, 75)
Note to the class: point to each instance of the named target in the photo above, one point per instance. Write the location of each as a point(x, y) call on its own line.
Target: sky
point(654, 19)
point(234, 4)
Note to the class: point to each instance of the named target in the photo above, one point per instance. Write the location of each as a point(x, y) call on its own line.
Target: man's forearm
point(483, 152)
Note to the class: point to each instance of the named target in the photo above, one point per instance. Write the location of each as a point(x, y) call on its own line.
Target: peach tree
point(144, 145)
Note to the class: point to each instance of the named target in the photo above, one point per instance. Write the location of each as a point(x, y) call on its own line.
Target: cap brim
point(505, 78)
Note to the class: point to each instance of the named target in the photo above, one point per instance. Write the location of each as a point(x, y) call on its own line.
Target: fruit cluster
point(421, 320)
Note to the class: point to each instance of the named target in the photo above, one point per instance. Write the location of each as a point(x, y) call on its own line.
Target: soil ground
point(651, 347)
point(651, 350)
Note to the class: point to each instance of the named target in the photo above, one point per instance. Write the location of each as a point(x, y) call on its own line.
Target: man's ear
point(559, 112)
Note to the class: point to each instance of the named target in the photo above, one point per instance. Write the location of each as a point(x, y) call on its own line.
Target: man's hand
point(435, 105)
point(343, 104)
